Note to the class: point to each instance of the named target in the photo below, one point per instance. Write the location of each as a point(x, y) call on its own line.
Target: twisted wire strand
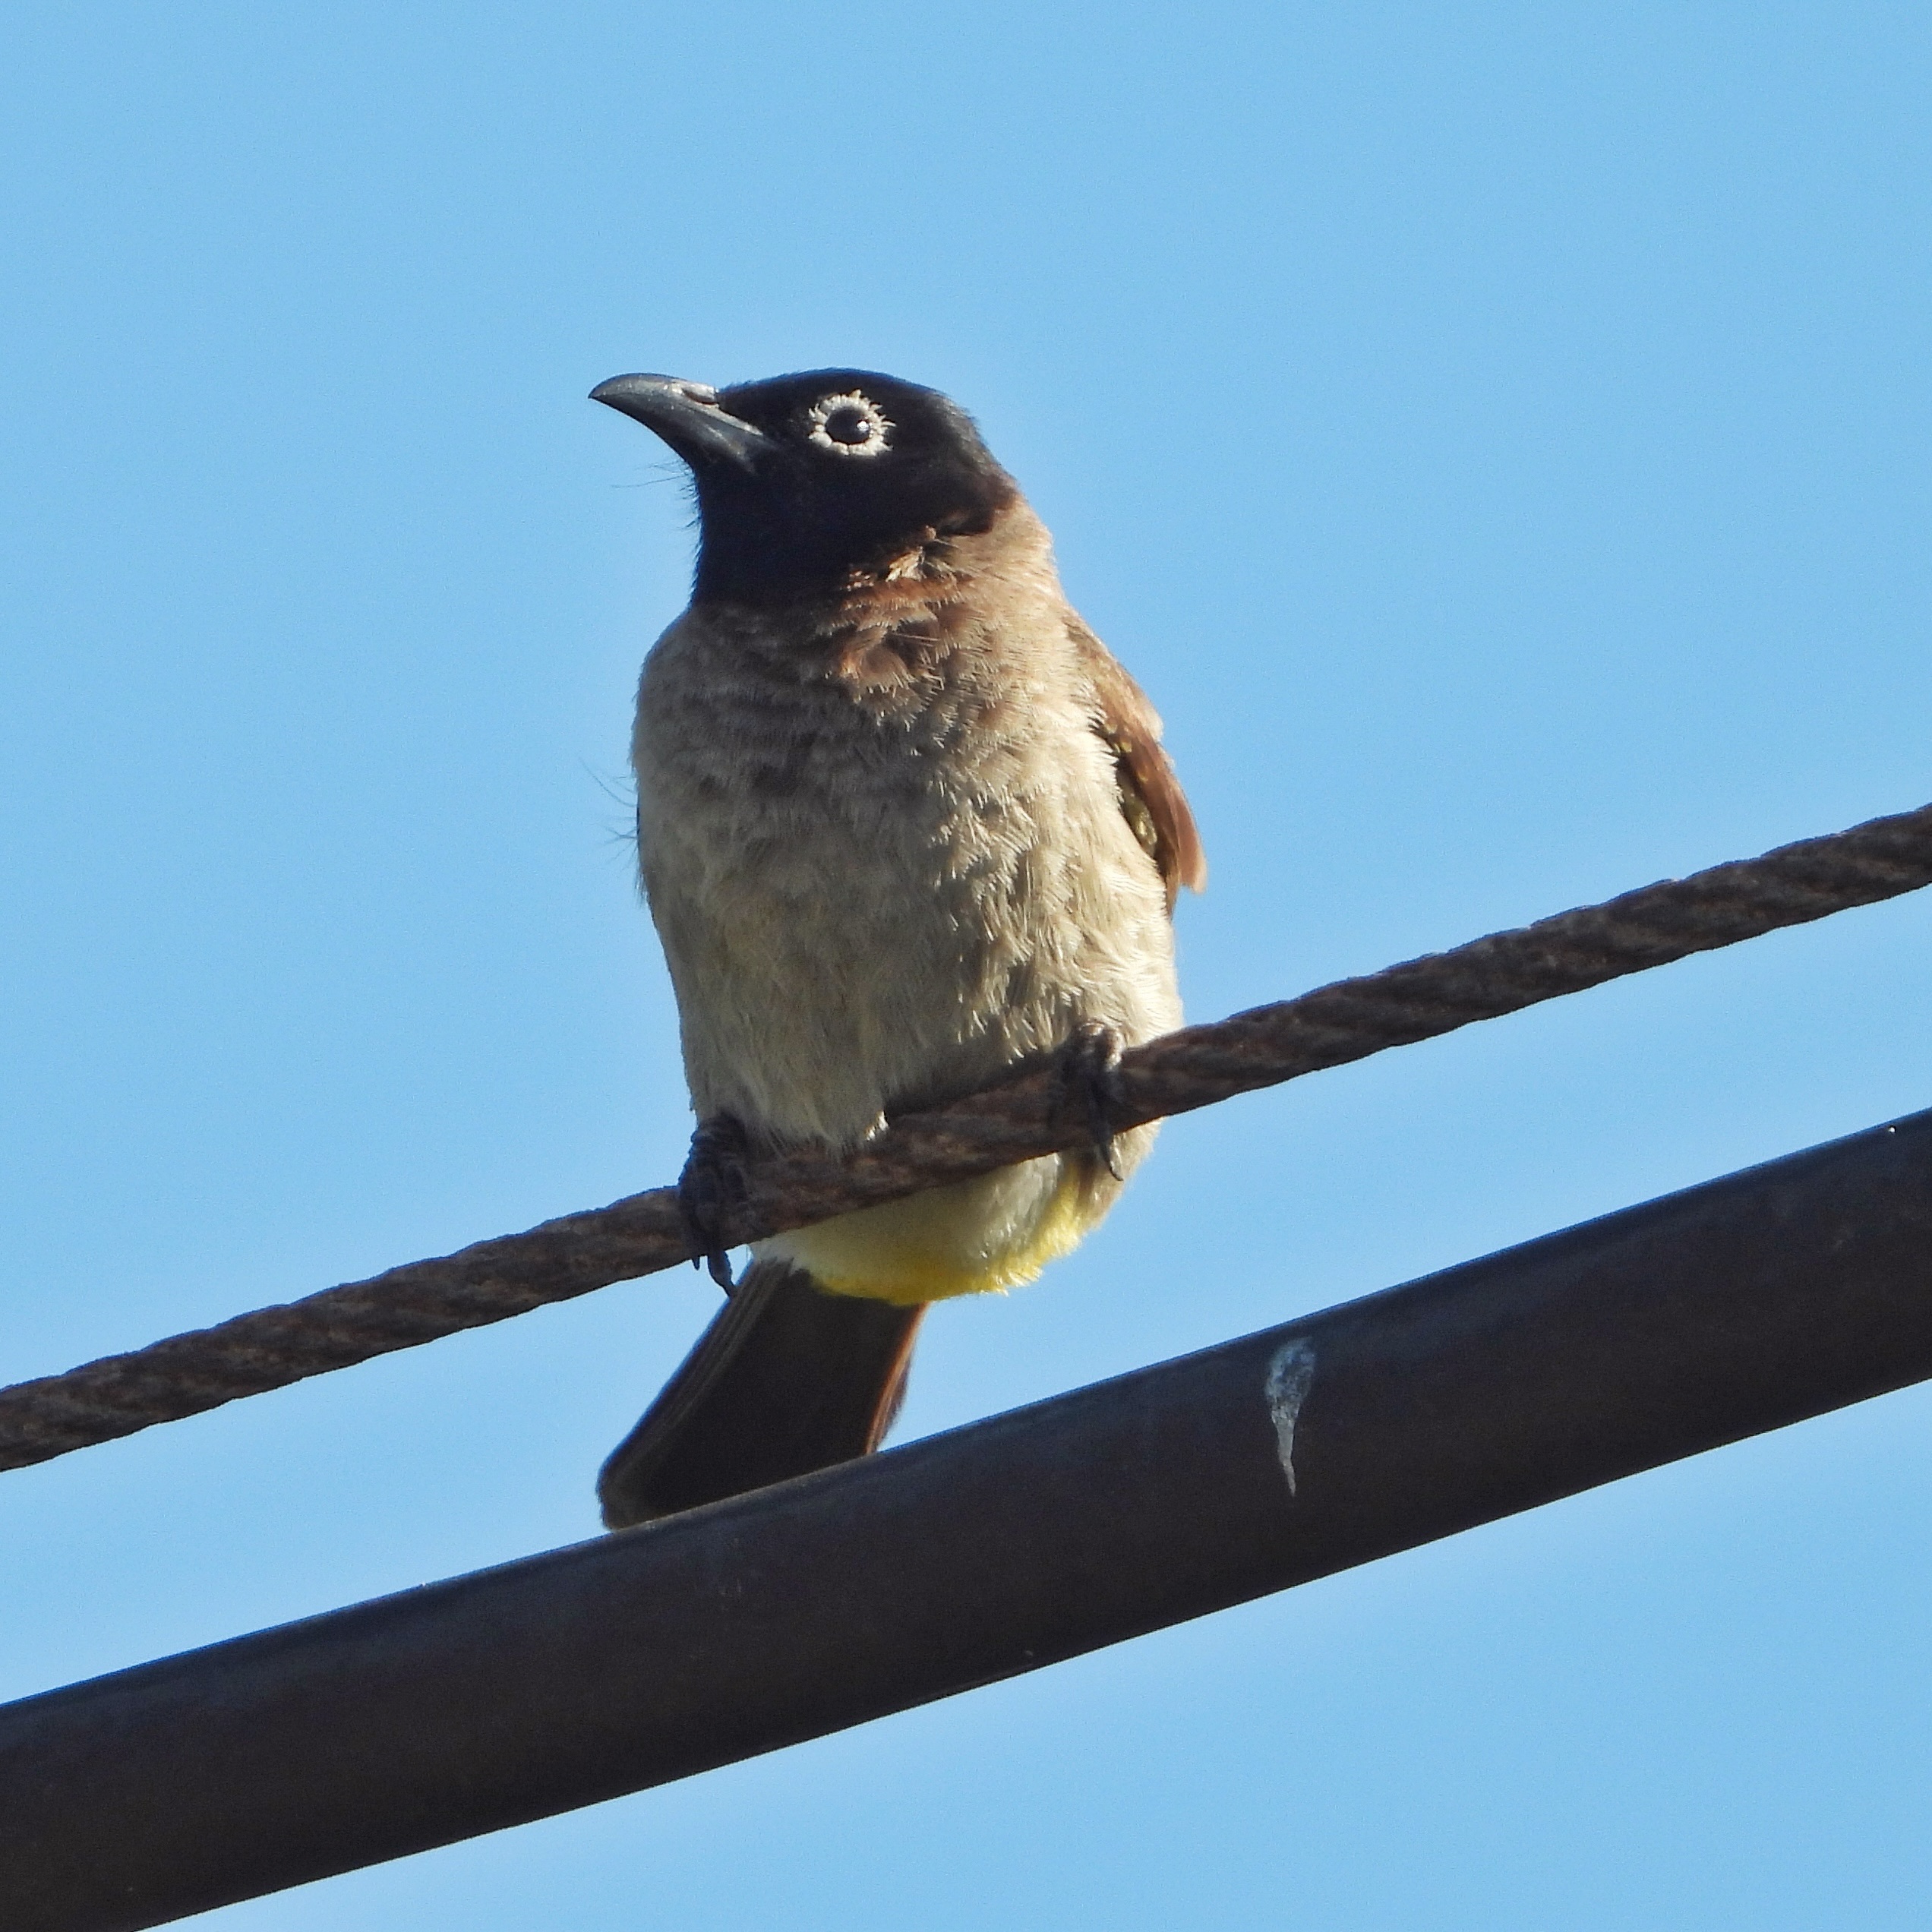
point(1017, 1119)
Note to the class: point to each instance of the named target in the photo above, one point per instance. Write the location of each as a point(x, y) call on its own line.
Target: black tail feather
point(786, 1380)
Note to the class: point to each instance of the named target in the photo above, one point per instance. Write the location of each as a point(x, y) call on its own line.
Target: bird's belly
point(823, 980)
point(868, 1005)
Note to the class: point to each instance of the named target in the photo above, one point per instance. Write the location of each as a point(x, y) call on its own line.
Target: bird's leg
point(712, 1185)
point(1087, 1076)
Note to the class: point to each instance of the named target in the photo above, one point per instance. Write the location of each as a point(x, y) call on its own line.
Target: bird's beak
point(688, 416)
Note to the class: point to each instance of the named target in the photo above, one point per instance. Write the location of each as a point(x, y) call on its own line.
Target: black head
point(804, 480)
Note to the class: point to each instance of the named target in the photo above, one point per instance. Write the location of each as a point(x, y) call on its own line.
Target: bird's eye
point(850, 425)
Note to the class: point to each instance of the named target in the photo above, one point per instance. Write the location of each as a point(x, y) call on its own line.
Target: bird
point(904, 826)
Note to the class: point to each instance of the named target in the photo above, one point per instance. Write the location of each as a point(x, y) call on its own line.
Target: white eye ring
point(878, 427)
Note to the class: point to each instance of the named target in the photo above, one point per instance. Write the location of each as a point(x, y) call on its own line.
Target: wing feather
point(1151, 795)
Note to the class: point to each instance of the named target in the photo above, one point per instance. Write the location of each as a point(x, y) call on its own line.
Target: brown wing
point(1151, 793)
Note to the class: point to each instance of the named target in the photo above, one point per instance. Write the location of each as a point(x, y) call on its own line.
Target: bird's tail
point(787, 1379)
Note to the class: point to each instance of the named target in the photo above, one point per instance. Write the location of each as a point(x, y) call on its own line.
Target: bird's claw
point(712, 1187)
point(1087, 1075)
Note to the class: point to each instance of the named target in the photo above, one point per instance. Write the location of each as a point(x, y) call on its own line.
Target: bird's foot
point(1087, 1076)
point(713, 1186)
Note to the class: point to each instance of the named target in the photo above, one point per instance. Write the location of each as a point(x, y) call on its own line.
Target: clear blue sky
point(1497, 435)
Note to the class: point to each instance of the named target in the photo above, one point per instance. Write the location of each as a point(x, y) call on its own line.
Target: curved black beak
point(688, 416)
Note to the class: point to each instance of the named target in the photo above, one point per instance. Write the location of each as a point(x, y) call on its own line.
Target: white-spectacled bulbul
point(905, 825)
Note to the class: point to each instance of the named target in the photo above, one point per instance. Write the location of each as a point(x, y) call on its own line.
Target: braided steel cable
point(1016, 1120)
